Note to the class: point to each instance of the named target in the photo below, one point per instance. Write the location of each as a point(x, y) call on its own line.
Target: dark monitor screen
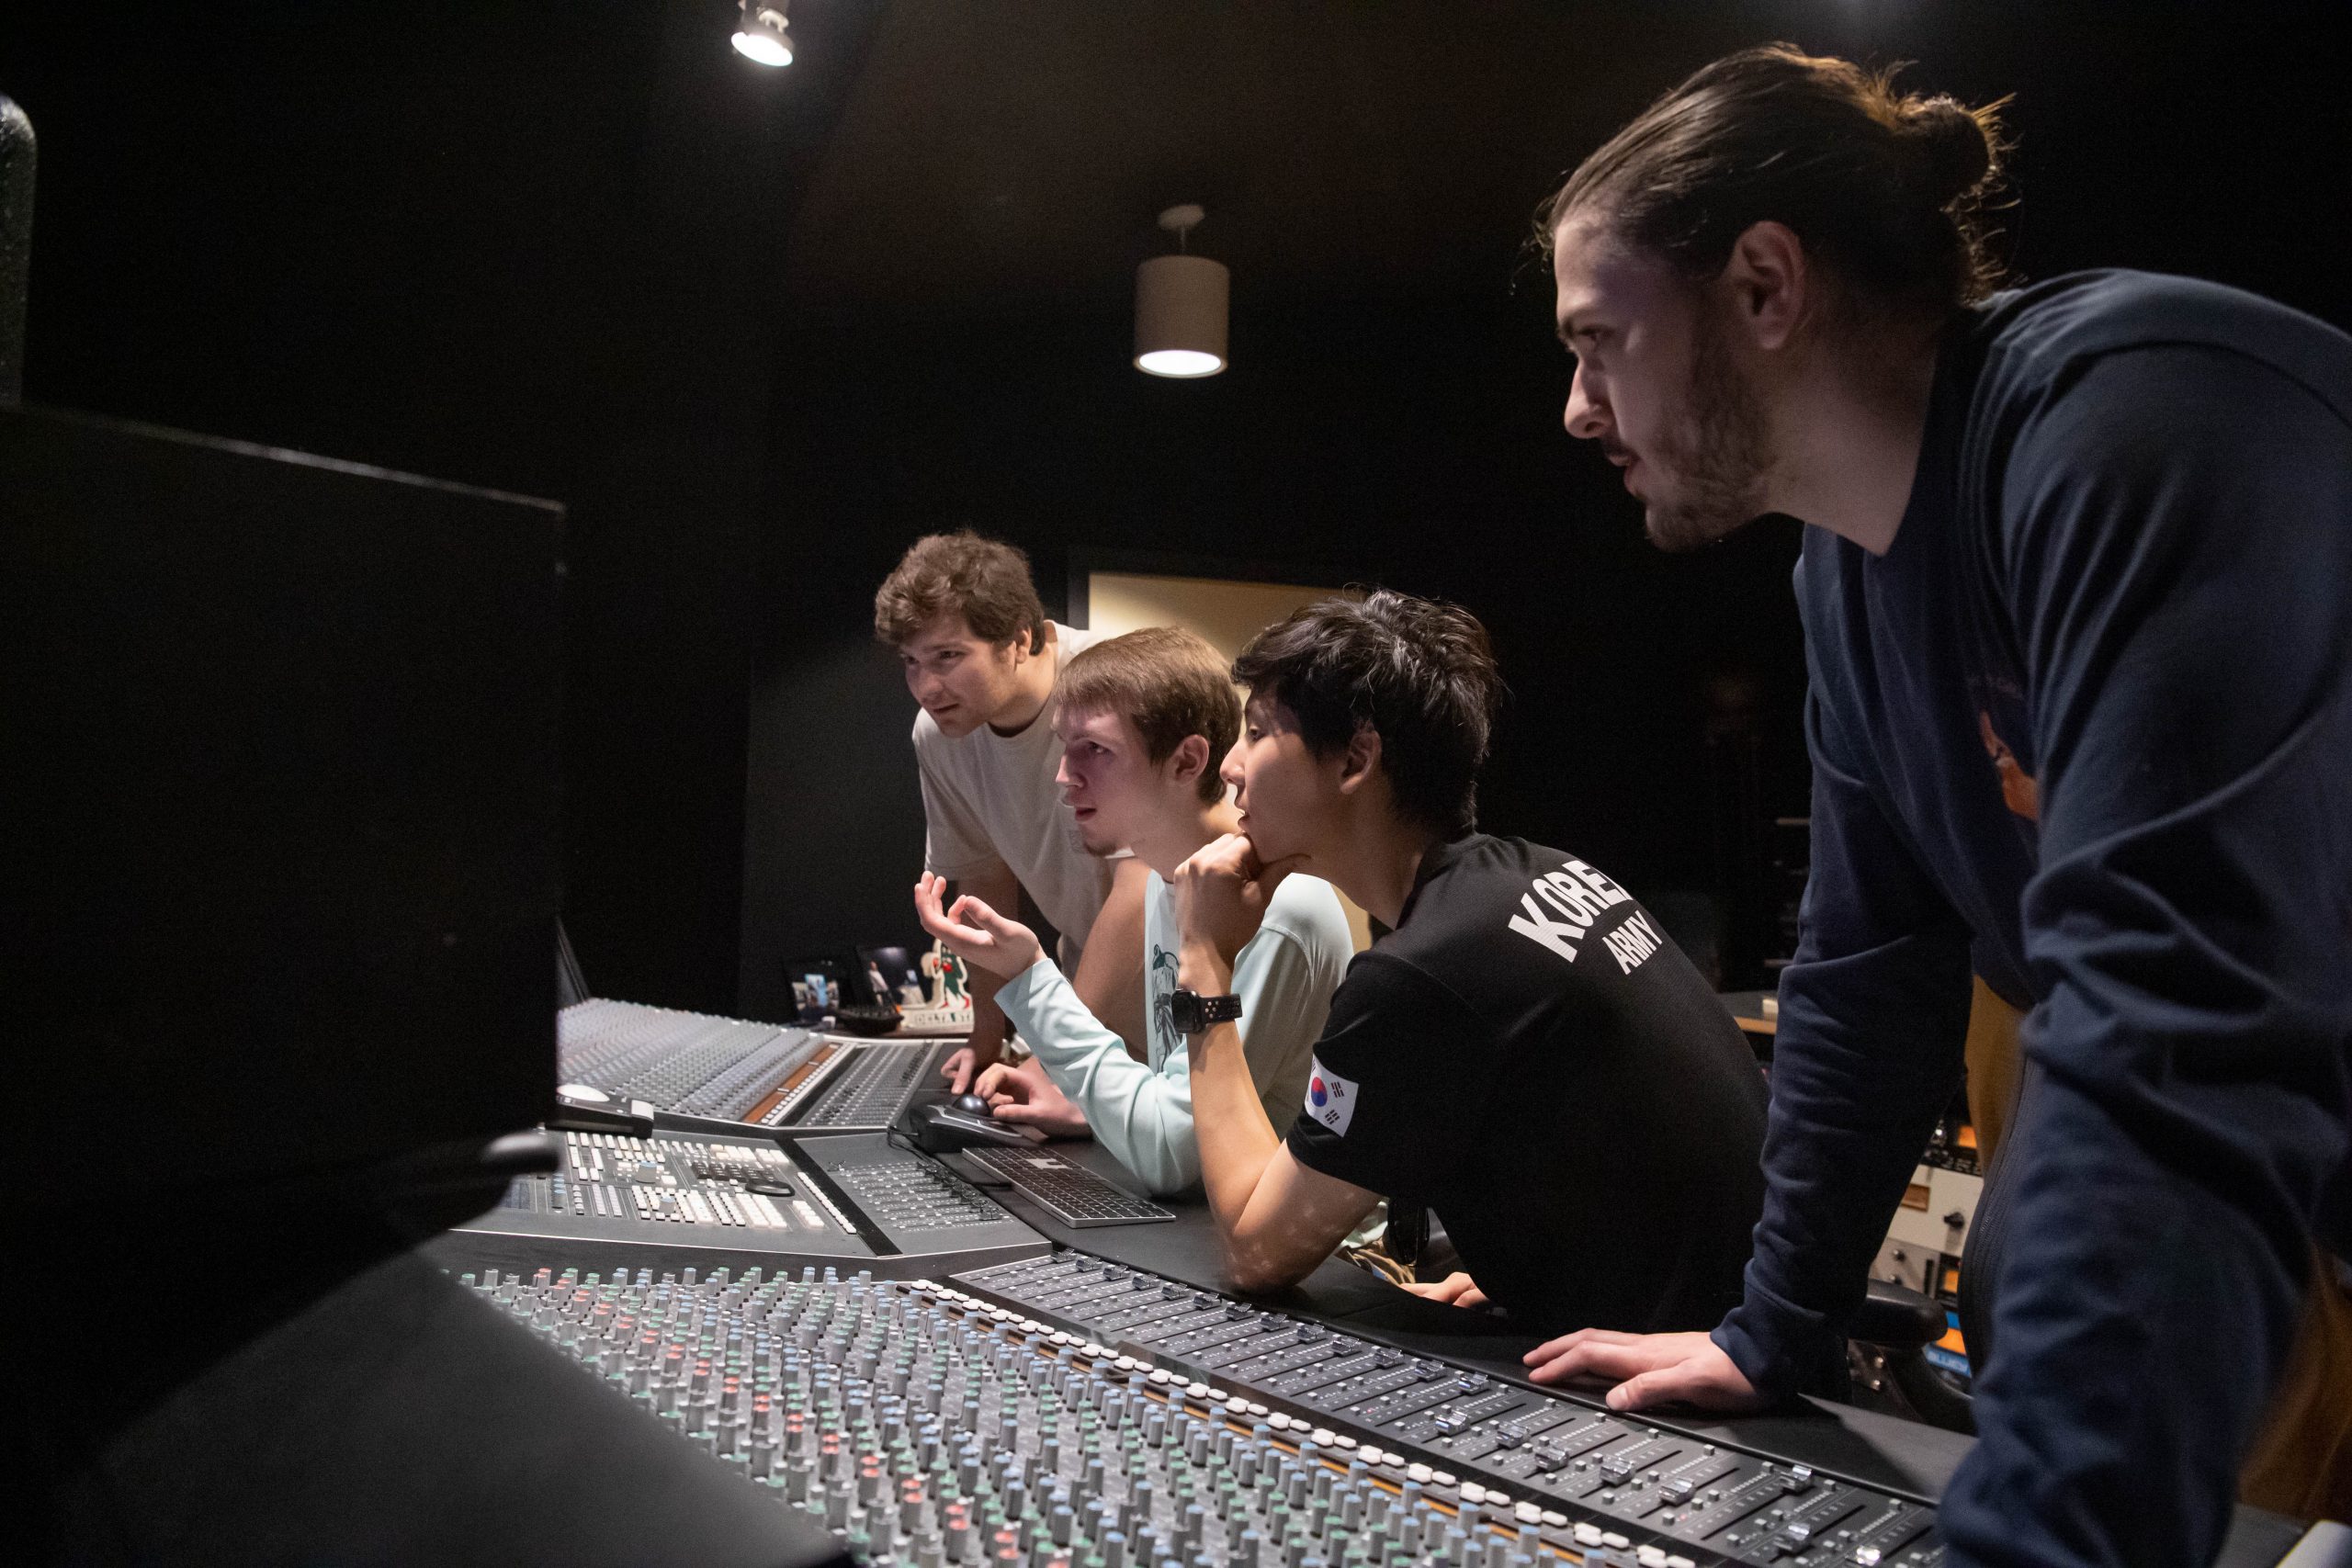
point(280, 877)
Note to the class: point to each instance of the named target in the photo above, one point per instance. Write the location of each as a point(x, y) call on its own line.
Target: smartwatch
point(1191, 1012)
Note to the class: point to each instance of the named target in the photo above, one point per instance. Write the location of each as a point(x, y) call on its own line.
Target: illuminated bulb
point(1179, 362)
point(1180, 302)
point(761, 36)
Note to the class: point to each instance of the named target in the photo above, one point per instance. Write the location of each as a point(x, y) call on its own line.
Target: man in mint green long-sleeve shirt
point(1145, 720)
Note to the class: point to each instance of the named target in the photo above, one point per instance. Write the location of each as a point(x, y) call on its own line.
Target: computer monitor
point(280, 877)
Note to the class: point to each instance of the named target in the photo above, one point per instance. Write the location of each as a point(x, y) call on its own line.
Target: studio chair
point(1890, 1335)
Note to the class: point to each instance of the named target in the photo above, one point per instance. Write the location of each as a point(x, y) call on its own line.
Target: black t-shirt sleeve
point(1379, 1108)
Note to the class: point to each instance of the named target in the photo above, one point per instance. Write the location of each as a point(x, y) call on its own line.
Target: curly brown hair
point(984, 581)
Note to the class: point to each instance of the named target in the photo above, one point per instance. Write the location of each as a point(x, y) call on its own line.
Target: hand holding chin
point(1222, 893)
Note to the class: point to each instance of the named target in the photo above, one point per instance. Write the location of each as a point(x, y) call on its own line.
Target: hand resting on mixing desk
point(1456, 1288)
point(1026, 1095)
point(1646, 1370)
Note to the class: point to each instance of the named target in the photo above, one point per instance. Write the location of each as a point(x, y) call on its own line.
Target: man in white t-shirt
point(982, 660)
point(1144, 721)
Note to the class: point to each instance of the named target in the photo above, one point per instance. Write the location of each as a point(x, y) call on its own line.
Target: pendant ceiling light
point(1181, 305)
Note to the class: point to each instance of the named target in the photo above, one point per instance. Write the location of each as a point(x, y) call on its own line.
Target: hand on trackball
point(973, 932)
point(1025, 1096)
point(1223, 890)
point(1647, 1369)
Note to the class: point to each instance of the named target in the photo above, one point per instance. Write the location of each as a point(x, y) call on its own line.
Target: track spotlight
point(760, 34)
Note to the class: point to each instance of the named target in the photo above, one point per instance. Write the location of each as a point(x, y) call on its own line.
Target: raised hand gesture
point(973, 932)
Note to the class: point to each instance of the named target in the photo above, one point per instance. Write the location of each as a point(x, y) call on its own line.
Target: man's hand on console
point(1025, 1094)
point(1647, 1369)
point(1456, 1288)
point(1222, 893)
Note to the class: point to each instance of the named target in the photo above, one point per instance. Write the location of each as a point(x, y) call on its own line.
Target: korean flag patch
point(1330, 1099)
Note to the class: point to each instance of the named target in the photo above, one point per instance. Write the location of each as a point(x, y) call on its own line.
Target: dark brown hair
point(960, 574)
point(1417, 672)
point(1887, 190)
point(1169, 683)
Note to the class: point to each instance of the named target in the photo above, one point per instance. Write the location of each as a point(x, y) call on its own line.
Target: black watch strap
point(1192, 1012)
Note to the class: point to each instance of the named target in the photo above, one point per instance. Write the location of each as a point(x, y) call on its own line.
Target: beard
point(1716, 453)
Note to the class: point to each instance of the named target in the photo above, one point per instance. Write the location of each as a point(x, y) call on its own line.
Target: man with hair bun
point(2077, 585)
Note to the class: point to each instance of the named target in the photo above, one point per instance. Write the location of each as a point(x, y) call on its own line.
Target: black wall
point(534, 247)
point(1417, 444)
point(520, 246)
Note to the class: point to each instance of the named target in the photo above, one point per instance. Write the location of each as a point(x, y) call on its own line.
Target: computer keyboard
point(1064, 1189)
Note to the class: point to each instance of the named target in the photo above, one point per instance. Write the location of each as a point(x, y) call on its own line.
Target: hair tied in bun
point(1954, 146)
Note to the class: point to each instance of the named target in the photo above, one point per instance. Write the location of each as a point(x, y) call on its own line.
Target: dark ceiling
point(1011, 154)
point(1022, 148)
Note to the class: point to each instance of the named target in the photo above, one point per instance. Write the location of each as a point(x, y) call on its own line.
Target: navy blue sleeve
point(2177, 549)
point(1869, 1053)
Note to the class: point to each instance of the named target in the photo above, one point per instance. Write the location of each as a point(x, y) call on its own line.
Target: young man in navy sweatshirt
point(2092, 538)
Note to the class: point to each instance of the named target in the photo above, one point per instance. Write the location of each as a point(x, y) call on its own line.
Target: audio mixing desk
point(704, 1074)
point(1088, 1409)
point(697, 1198)
point(1067, 1412)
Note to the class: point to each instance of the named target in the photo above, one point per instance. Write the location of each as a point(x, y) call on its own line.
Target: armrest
point(1897, 1318)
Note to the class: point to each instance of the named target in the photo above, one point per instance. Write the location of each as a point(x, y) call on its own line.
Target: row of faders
point(925, 1427)
point(1601, 1478)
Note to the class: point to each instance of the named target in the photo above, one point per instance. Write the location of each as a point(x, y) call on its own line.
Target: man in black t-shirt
point(1525, 1053)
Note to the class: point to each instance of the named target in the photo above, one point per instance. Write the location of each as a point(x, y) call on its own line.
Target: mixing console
point(930, 1425)
point(724, 1075)
point(1593, 1478)
point(854, 1198)
point(879, 1080)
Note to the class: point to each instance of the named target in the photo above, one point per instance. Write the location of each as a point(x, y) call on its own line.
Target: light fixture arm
point(1178, 221)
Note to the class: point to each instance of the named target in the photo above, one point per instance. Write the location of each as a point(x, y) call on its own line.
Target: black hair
point(1417, 672)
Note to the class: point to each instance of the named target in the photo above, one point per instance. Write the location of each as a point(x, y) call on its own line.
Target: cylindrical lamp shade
point(1180, 315)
